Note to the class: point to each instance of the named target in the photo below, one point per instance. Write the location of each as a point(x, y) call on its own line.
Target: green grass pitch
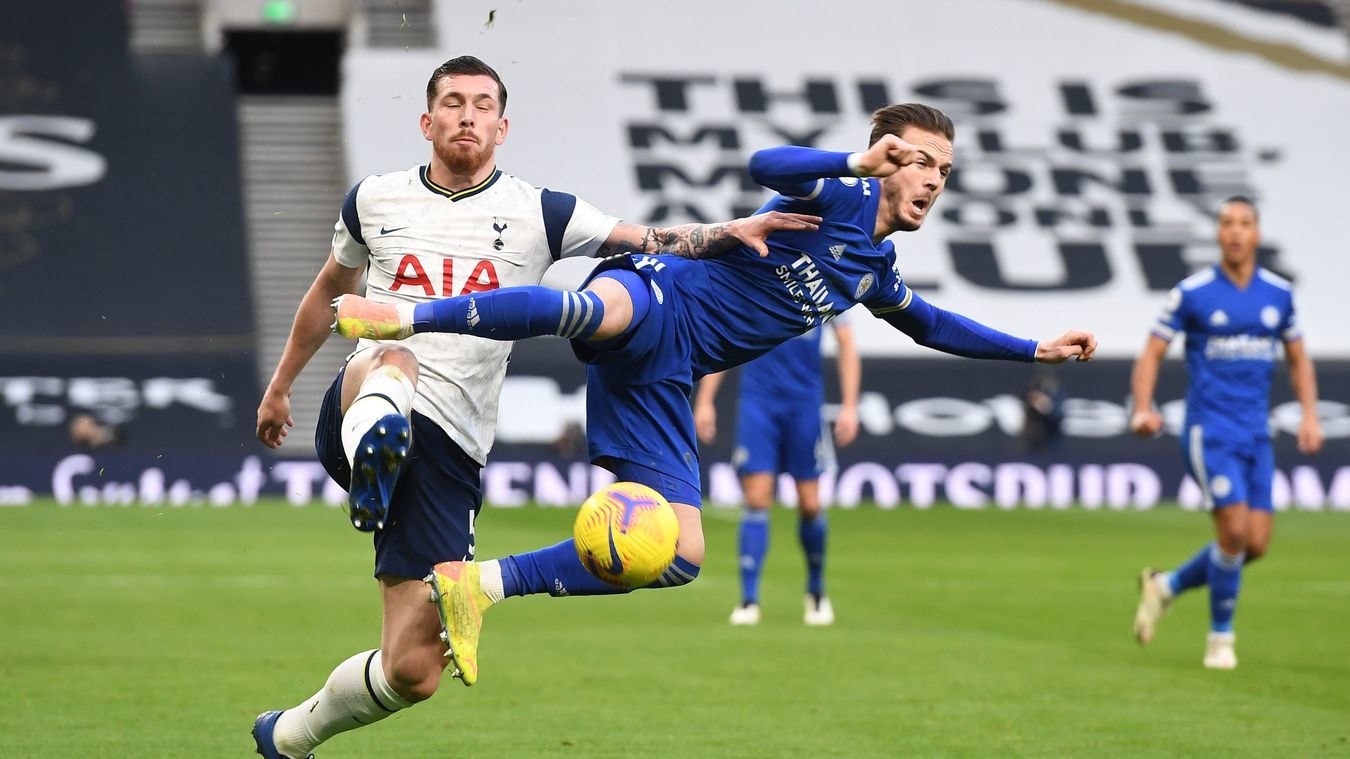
point(159, 632)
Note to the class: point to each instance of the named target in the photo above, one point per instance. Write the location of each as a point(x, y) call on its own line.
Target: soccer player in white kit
point(408, 426)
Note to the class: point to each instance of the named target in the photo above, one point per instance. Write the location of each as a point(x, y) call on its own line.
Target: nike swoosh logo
point(615, 563)
point(384, 231)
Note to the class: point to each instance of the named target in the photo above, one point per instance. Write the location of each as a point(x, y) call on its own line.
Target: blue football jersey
point(790, 372)
point(743, 304)
point(1233, 339)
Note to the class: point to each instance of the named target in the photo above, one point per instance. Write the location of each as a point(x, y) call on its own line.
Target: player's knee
point(416, 676)
point(626, 302)
point(690, 548)
point(395, 355)
point(1233, 541)
point(808, 508)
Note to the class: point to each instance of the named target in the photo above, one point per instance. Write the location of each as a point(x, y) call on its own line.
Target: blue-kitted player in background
point(1235, 315)
point(779, 430)
point(648, 327)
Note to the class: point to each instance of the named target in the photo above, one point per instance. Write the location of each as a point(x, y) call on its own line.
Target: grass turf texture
point(134, 631)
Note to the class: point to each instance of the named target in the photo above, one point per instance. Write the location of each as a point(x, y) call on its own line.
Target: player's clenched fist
point(886, 156)
point(1146, 423)
point(1071, 344)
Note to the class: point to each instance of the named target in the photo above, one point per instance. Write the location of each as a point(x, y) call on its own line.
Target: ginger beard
point(462, 157)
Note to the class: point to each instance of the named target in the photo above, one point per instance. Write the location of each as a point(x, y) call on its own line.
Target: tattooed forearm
point(695, 240)
point(686, 241)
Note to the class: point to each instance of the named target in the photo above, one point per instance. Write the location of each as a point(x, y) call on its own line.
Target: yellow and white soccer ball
point(625, 534)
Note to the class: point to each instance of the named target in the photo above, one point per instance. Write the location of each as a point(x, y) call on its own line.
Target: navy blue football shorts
point(1228, 469)
point(776, 437)
point(639, 421)
point(434, 505)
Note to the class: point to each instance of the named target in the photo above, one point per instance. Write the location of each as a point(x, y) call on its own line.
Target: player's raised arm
point(704, 240)
point(932, 327)
point(796, 171)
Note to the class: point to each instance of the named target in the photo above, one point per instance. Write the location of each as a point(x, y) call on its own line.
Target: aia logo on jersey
point(498, 228)
point(411, 273)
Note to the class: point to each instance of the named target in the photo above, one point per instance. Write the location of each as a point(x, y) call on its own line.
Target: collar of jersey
point(459, 194)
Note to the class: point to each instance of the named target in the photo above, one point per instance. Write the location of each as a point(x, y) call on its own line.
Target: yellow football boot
point(457, 591)
point(355, 317)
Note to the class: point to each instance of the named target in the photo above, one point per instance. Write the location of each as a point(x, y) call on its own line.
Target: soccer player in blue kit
point(649, 326)
point(1235, 315)
point(779, 431)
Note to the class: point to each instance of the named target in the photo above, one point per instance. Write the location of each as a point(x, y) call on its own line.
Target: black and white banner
point(1090, 153)
point(931, 431)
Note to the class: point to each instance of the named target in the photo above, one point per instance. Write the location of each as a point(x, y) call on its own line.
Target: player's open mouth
point(920, 205)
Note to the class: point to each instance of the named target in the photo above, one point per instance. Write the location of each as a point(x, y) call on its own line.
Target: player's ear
point(502, 127)
point(425, 123)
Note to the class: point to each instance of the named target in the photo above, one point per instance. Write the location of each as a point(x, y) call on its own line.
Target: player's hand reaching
point(1146, 423)
point(846, 427)
point(755, 230)
point(274, 417)
point(886, 156)
point(1072, 344)
point(1310, 435)
point(705, 422)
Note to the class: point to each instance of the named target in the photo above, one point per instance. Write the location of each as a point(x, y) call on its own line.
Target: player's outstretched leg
point(508, 313)
point(377, 437)
point(463, 591)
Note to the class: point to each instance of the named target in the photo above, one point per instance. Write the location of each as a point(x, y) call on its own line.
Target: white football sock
point(356, 694)
point(490, 580)
point(1163, 582)
point(387, 390)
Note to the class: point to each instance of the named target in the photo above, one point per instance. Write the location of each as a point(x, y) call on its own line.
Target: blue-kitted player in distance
point(649, 326)
point(1235, 314)
point(779, 430)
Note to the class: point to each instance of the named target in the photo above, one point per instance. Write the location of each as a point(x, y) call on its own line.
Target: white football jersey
point(422, 242)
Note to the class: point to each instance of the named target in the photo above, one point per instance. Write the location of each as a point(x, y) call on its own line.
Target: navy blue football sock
point(1225, 579)
point(555, 570)
point(680, 572)
point(812, 533)
point(513, 313)
point(752, 545)
point(1192, 574)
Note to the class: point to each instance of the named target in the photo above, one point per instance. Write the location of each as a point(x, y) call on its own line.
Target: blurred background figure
point(88, 432)
point(779, 431)
point(1043, 413)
